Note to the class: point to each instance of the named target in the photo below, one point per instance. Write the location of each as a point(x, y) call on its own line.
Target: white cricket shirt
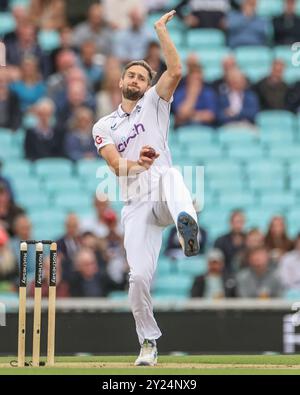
point(147, 124)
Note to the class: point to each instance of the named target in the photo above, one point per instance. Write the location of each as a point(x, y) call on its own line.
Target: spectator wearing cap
point(259, 280)
point(132, 43)
point(233, 242)
point(246, 28)
point(8, 210)
point(194, 102)
point(94, 29)
point(10, 111)
point(237, 103)
point(287, 26)
point(203, 14)
point(45, 139)
point(8, 265)
point(96, 223)
point(213, 284)
point(272, 90)
point(289, 268)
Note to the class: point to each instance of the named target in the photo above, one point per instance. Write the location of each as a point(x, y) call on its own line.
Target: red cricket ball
point(150, 153)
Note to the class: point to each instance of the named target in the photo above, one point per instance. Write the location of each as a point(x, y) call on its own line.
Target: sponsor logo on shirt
point(136, 130)
point(98, 140)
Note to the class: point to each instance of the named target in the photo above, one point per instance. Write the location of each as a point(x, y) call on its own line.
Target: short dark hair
point(143, 63)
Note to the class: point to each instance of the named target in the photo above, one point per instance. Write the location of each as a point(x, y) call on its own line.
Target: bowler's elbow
point(176, 73)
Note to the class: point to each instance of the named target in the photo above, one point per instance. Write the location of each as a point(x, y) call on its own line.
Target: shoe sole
point(188, 230)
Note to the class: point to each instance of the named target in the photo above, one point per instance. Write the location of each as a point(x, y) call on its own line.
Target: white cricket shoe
point(148, 354)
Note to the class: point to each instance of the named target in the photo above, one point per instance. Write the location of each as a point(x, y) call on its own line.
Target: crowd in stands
point(56, 95)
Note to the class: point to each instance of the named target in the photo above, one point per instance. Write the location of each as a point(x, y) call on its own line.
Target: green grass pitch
point(169, 365)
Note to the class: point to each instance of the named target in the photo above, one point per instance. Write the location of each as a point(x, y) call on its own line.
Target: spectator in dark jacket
point(8, 210)
point(87, 280)
point(10, 112)
point(237, 103)
point(293, 98)
point(234, 241)
point(194, 102)
point(214, 284)
point(272, 90)
point(45, 140)
point(287, 26)
point(205, 14)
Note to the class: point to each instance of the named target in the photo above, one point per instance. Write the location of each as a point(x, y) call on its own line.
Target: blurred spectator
point(94, 29)
point(194, 102)
point(173, 247)
point(214, 284)
point(117, 267)
point(90, 241)
point(246, 28)
point(289, 268)
point(3, 5)
point(233, 242)
point(272, 90)
point(65, 61)
point(109, 97)
point(87, 280)
point(132, 43)
point(254, 238)
point(62, 287)
point(228, 64)
point(69, 244)
point(45, 139)
point(154, 59)
point(79, 143)
point(20, 14)
point(8, 210)
point(4, 181)
point(276, 240)
point(10, 112)
point(259, 280)
point(293, 97)
point(31, 87)
point(92, 69)
point(77, 96)
point(48, 14)
point(202, 13)
point(22, 229)
point(237, 103)
point(8, 265)
point(287, 26)
point(97, 223)
point(22, 44)
point(116, 12)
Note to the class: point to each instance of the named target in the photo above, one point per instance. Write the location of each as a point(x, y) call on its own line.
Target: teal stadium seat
point(209, 57)
point(236, 135)
point(257, 72)
point(49, 40)
point(279, 199)
point(242, 200)
point(17, 169)
point(7, 23)
point(268, 167)
point(49, 214)
point(276, 136)
point(212, 73)
point(72, 201)
point(63, 185)
point(246, 152)
point(277, 119)
point(195, 134)
point(204, 154)
point(26, 185)
point(285, 152)
point(33, 202)
point(53, 168)
point(88, 168)
point(293, 221)
point(269, 8)
point(192, 266)
point(267, 182)
point(292, 74)
point(260, 217)
point(248, 55)
point(173, 284)
point(205, 38)
point(284, 53)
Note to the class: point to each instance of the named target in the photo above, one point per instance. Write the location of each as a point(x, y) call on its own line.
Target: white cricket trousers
point(143, 223)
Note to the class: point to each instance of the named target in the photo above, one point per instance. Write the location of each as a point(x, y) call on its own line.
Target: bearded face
point(135, 83)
